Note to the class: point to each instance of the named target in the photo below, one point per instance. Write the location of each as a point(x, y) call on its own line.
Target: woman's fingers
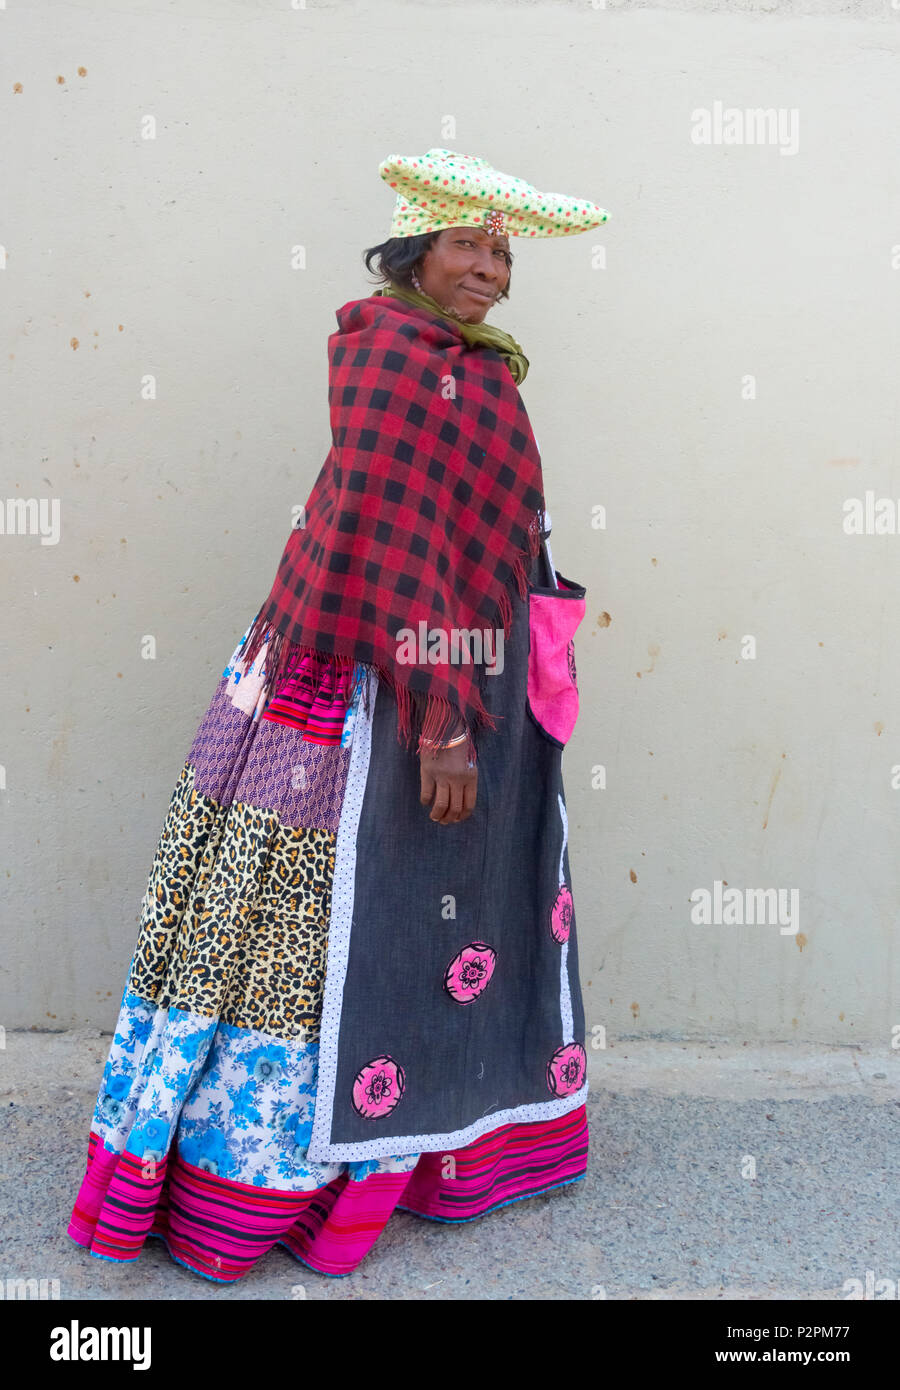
point(448, 785)
point(454, 806)
point(427, 785)
point(441, 799)
point(457, 799)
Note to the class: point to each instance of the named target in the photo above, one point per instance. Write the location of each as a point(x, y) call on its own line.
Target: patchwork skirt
point(207, 1100)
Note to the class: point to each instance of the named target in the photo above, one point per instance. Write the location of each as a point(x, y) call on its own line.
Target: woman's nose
point(485, 264)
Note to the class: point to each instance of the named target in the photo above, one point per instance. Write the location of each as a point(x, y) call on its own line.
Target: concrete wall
point(721, 386)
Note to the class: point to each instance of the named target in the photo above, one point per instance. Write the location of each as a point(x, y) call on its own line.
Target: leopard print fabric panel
point(234, 920)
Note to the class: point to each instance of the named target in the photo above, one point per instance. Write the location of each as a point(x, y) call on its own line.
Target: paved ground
point(665, 1212)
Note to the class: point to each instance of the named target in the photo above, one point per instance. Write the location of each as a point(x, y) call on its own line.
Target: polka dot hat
point(443, 188)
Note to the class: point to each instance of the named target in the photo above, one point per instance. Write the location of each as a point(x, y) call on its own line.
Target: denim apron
point(452, 999)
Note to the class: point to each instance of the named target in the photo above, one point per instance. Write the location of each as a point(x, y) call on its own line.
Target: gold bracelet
point(460, 738)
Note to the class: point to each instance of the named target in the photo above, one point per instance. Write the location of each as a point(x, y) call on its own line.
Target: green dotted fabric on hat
point(444, 188)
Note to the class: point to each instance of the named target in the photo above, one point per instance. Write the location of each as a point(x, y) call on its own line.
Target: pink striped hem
point(220, 1228)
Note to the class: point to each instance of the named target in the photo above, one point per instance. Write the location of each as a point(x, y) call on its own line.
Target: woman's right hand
point(449, 785)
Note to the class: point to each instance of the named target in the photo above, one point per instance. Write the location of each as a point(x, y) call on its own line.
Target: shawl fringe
point(427, 721)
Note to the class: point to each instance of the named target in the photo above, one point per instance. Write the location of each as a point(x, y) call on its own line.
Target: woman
point(411, 670)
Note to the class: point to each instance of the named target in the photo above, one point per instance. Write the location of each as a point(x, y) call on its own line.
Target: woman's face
point(465, 268)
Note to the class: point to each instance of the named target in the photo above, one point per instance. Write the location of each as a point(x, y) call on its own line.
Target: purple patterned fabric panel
point(220, 745)
point(268, 765)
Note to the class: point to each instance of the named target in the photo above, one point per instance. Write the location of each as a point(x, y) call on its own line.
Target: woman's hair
point(396, 258)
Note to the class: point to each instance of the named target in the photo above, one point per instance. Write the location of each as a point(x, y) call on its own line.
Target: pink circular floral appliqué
point(469, 972)
point(378, 1087)
point(566, 1069)
point(561, 914)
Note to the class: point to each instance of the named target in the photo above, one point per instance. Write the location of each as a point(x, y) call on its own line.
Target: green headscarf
point(473, 333)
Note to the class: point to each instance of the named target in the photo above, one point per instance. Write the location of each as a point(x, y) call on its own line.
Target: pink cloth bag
point(553, 618)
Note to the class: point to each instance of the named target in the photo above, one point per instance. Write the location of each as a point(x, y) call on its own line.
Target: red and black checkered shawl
point(428, 506)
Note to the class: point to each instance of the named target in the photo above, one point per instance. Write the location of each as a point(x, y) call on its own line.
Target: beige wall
point(721, 387)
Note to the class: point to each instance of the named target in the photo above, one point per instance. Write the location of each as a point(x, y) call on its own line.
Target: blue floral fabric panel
point(234, 1102)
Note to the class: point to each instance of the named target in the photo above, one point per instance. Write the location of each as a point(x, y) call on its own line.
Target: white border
point(340, 924)
point(565, 992)
point(320, 1148)
point(408, 1144)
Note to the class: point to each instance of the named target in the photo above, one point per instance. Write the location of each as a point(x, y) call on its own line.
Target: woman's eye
point(498, 251)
